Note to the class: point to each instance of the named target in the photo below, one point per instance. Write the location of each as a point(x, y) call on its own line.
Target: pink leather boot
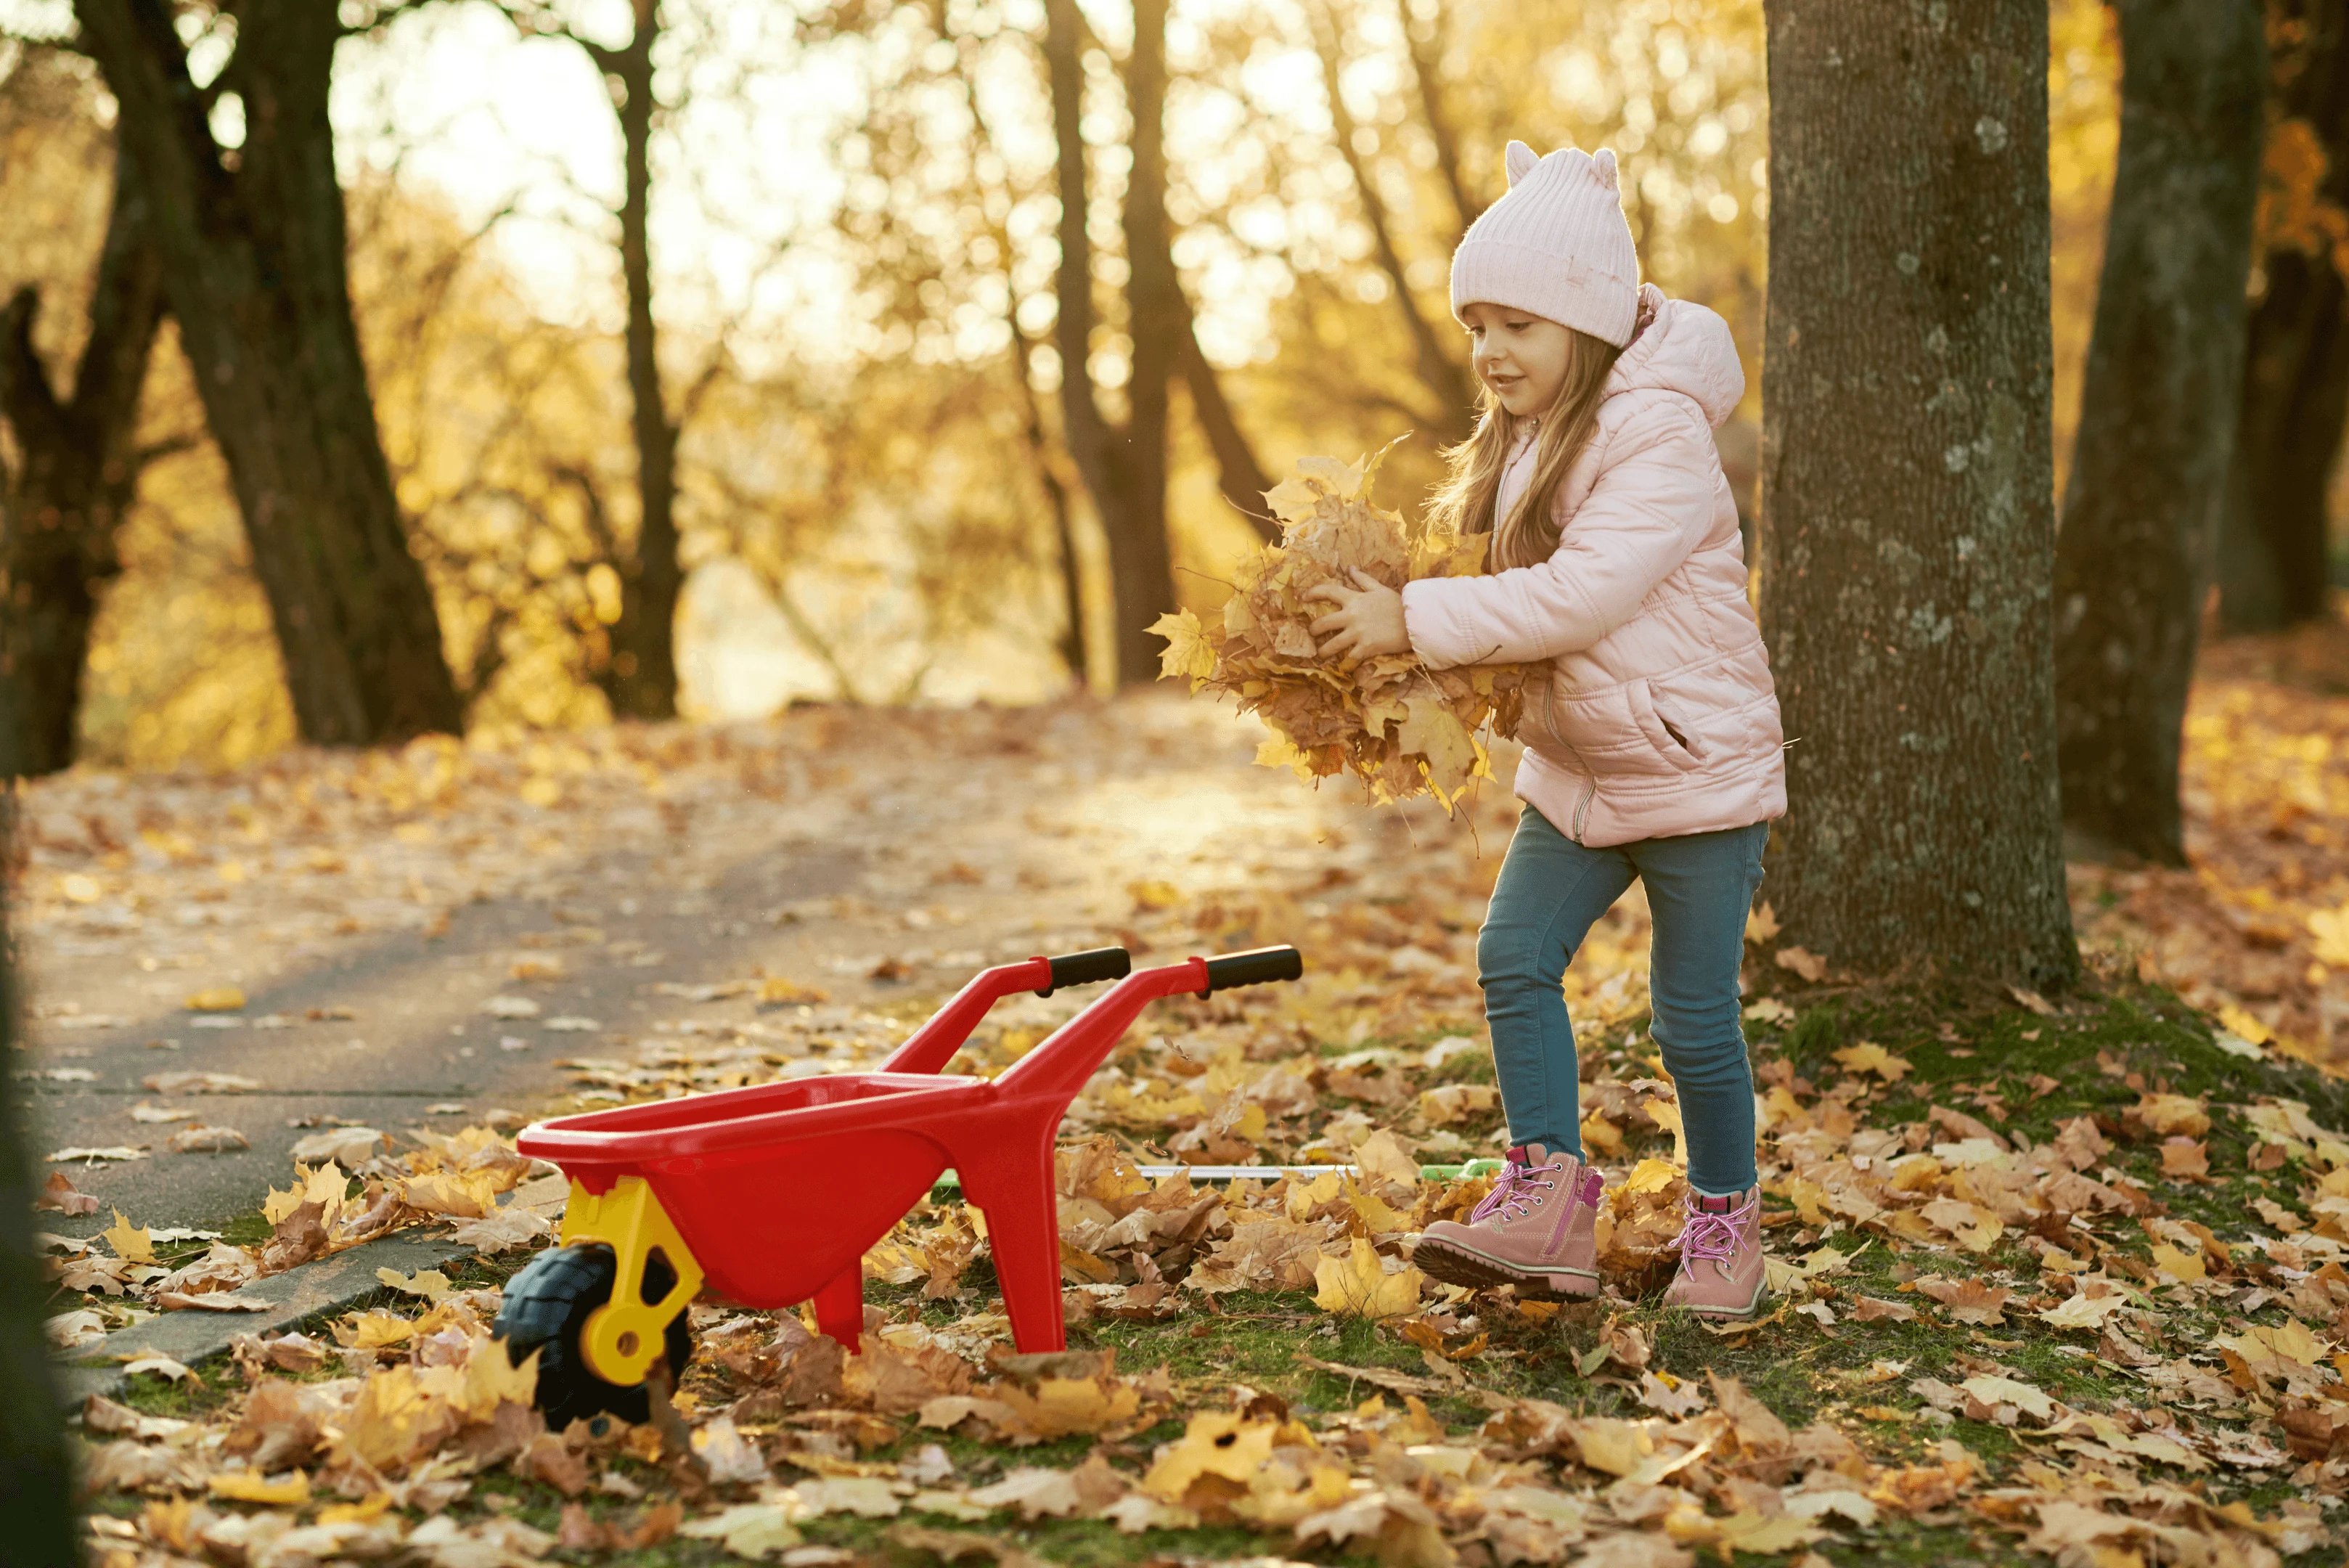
point(1537, 1230)
point(1721, 1273)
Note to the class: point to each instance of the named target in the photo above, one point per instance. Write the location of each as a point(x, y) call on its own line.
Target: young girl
point(1653, 738)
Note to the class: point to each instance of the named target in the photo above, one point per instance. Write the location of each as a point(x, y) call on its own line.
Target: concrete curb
point(323, 1287)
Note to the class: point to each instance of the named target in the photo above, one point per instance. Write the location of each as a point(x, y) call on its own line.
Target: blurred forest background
point(768, 310)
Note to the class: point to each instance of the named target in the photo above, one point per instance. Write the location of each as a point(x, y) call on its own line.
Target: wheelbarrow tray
point(778, 1188)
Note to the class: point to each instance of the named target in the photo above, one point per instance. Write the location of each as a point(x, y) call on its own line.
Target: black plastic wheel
point(546, 1305)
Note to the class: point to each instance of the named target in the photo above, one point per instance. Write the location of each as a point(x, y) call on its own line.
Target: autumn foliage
point(1398, 726)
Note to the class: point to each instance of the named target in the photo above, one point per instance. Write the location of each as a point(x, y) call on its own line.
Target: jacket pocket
point(1618, 731)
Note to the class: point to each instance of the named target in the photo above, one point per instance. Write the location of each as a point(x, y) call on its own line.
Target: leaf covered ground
point(2055, 1279)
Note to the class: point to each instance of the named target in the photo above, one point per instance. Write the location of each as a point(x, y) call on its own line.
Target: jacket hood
point(1687, 349)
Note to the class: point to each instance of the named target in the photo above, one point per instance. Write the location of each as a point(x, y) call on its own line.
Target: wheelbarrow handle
point(1085, 968)
point(1255, 967)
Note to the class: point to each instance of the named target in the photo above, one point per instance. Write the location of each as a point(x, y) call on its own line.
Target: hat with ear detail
point(1555, 245)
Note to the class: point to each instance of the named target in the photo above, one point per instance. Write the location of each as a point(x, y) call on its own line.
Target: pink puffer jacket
point(1657, 716)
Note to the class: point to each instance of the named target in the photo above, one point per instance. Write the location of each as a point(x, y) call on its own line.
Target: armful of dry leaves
point(1400, 728)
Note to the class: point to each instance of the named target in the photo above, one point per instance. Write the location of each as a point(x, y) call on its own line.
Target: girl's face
point(1521, 356)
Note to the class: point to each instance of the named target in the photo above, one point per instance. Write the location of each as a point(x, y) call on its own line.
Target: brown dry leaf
point(1968, 1300)
point(2185, 1159)
point(1802, 961)
point(208, 1140)
point(59, 1195)
point(1399, 728)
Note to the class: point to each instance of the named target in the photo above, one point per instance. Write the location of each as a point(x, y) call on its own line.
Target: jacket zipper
point(1582, 809)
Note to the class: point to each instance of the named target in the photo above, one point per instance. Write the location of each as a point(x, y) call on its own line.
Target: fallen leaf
point(59, 1195)
point(1804, 963)
point(1870, 1057)
point(1357, 1286)
point(208, 1140)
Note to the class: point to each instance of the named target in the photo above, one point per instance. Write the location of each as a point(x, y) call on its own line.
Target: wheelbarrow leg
point(1010, 1177)
point(840, 1306)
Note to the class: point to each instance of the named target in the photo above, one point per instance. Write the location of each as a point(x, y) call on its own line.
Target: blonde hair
point(1465, 500)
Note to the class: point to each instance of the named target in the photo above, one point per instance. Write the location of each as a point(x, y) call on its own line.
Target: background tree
point(2272, 567)
point(247, 213)
point(639, 675)
point(62, 507)
point(2164, 384)
point(1908, 535)
point(1123, 464)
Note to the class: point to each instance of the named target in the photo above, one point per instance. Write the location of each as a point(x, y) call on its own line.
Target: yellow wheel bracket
point(622, 1338)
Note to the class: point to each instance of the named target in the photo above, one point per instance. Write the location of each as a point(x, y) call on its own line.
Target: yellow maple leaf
point(131, 1242)
point(323, 1187)
point(1452, 756)
point(1357, 1285)
point(1342, 480)
point(2237, 1022)
point(2184, 1267)
point(1187, 651)
point(1650, 1175)
point(1216, 1443)
point(291, 1490)
point(1761, 923)
point(491, 1378)
point(429, 1284)
point(1278, 752)
point(215, 998)
point(1612, 1446)
point(1870, 1057)
point(1378, 1216)
point(1292, 501)
point(2167, 1114)
point(2331, 928)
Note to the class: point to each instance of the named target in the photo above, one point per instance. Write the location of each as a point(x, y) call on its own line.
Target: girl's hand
point(1365, 624)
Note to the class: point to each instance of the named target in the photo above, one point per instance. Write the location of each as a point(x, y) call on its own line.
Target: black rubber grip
point(1084, 968)
point(1254, 967)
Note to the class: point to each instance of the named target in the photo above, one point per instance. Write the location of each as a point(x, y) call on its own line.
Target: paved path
point(370, 907)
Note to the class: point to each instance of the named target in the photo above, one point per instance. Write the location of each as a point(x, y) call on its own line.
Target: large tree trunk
point(2295, 387)
point(254, 273)
point(60, 515)
point(1907, 524)
point(36, 1479)
point(254, 250)
point(2157, 417)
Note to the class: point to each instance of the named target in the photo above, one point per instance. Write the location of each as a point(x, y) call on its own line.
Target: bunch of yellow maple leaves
point(1400, 728)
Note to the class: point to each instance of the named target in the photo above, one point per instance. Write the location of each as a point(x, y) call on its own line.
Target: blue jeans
point(1699, 887)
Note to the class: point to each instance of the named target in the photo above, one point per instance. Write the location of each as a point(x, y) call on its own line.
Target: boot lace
point(1712, 1236)
point(1512, 1194)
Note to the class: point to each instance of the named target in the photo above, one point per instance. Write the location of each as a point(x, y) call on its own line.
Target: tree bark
point(60, 514)
point(1907, 524)
point(2295, 388)
point(36, 1479)
point(253, 245)
point(1124, 468)
point(2164, 384)
point(1157, 326)
point(642, 679)
point(637, 671)
point(1238, 474)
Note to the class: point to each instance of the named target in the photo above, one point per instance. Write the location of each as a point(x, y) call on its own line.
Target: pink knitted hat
point(1557, 244)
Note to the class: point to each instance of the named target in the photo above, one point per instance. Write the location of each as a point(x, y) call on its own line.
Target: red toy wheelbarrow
point(773, 1195)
